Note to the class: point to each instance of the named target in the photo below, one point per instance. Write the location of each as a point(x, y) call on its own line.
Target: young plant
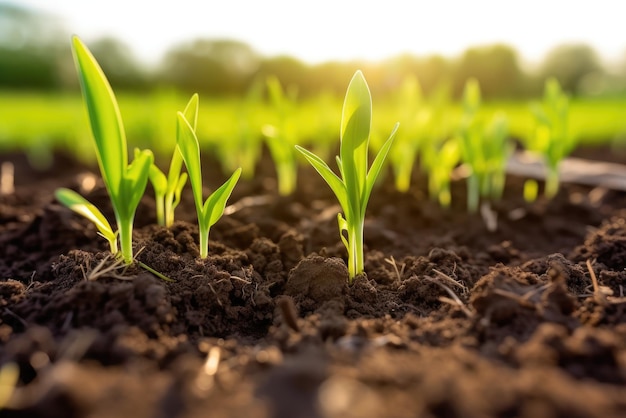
point(485, 150)
point(440, 158)
point(167, 189)
point(212, 209)
point(280, 138)
point(552, 137)
point(414, 114)
point(124, 182)
point(354, 184)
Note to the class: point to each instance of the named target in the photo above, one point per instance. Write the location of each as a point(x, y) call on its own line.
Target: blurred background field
point(41, 110)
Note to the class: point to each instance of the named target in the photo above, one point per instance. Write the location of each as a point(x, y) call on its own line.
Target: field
point(452, 318)
point(40, 123)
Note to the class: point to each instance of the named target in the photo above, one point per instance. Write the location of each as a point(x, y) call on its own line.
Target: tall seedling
point(211, 210)
point(354, 184)
point(124, 182)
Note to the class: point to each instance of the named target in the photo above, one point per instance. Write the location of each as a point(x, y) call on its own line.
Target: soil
point(450, 319)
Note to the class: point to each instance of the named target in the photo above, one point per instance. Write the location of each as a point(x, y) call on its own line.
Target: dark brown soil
point(450, 320)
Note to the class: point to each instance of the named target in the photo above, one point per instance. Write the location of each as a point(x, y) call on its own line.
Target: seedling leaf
point(82, 206)
point(335, 183)
point(104, 116)
point(216, 203)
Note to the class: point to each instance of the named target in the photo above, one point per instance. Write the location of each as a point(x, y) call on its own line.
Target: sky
point(323, 30)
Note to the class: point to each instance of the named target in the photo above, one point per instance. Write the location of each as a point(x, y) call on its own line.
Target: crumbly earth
point(450, 319)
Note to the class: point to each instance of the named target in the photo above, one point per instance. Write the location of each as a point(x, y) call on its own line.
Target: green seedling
point(415, 115)
point(82, 206)
point(552, 138)
point(440, 158)
point(354, 184)
point(212, 209)
point(280, 138)
point(124, 182)
point(168, 189)
point(485, 150)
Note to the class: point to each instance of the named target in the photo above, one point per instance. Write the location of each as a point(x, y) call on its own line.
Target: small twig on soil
point(103, 270)
point(451, 280)
point(455, 299)
point(246, 202)
point(602, 293)
point(210, 287)
point(521, 299)
point(392, 262)
point(594, 279)
point(532, 292)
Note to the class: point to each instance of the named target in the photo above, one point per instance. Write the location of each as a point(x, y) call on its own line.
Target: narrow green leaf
point(356, 122)
point(377, 165)
point(176, 165)
point(135, 181)
point(182, 180)
point(215, 204)
point(82, 206)
point(190, 151)
point(343, 227)
point(104, 117)
point(191, 111)
point(158, 180)
point(335, 183)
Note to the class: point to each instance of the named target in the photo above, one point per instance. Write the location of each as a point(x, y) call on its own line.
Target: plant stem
point(169, 212)
point(126, 238)
point(160, 209)
point(552, 182)
point(356, 264)
point(204, 241)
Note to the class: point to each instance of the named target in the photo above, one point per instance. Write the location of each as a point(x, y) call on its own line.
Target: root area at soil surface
point(450, 319)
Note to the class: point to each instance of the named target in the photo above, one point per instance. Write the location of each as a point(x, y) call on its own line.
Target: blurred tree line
point(35, 54)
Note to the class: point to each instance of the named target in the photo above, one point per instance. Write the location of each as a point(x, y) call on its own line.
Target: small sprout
point(485, 150)
point(280, 138)
point(124, 182)
point(212, 209)
point(354, 184)
point(415, 116)
point(440, 159)
point(167, 190)
point(552, 137)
